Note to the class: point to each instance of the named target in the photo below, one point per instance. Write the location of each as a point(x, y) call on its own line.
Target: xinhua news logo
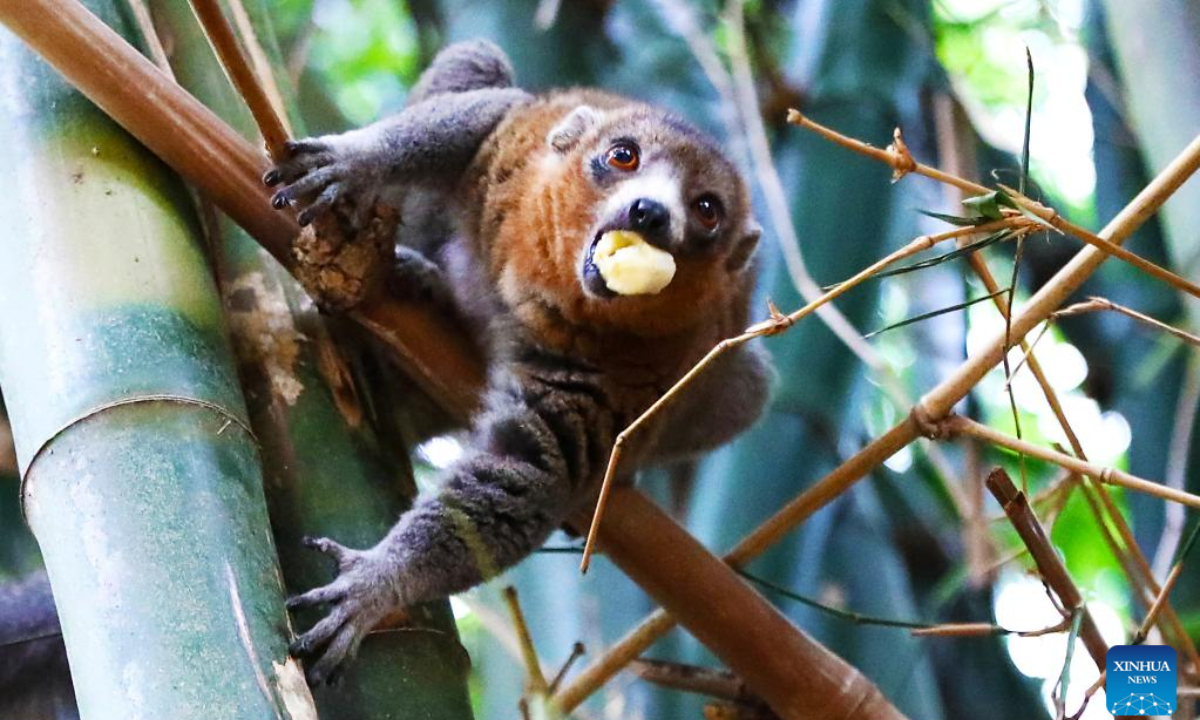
point(1141, 680)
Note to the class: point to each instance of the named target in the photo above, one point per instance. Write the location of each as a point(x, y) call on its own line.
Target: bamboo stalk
point(327, 473)
point(141, 479)
point(798, 677)
point(1049, 565)
point(223, 166)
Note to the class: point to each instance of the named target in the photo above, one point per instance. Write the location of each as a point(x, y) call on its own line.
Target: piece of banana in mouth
point(632, 266)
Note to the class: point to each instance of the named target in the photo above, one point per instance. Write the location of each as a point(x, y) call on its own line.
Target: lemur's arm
point(430, 141)
point(539, 440)
point(458, 101)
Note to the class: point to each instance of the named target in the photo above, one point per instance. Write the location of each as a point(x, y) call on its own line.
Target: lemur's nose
point(651, 218)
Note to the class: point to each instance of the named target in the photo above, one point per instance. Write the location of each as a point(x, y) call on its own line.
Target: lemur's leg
point(427, 142)
point(722, 402)
point(461, 67)
point(539, 439)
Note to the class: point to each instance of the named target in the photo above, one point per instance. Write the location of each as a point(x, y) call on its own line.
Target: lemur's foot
point(359, 600)
point(416, 277)
point(322, 172)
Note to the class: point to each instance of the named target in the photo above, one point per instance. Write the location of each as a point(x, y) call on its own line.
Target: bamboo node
point(934, 428)
point(900, 158)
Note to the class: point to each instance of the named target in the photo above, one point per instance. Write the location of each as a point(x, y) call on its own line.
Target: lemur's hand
point(359, 600)
point(323, 170)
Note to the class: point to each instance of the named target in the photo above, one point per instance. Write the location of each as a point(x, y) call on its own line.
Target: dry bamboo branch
point(1093, 304)
point(936, 404)
point(141, 16)
point(533, 666)
point(984, 630)
point(1049, 565)
point(211, 156)
point(957, 425)
point(897, 157)
point(798, 677)
point(224, 43)
point(719, 684)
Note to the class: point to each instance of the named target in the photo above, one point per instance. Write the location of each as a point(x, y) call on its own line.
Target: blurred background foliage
point(899, 545)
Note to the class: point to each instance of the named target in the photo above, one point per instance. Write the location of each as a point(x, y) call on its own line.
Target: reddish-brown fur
point(529, 211)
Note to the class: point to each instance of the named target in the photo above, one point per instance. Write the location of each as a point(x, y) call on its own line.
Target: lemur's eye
point(622, 156)
point(708, 211)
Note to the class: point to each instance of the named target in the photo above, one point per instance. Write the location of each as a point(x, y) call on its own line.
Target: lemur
point(517, 202)
point(600, 245)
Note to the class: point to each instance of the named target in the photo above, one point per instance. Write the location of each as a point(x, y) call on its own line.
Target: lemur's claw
point(359, 599)
point(305, 146)
point(338, 552)
point(316, 175)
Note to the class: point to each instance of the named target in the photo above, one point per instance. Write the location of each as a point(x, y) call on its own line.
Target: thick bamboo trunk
point(326, 472)
point(141, 479)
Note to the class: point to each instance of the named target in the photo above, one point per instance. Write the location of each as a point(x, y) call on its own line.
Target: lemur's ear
point(744, 249)
point(567, 132)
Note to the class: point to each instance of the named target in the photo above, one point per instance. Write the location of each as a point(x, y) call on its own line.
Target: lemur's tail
point(33, 659)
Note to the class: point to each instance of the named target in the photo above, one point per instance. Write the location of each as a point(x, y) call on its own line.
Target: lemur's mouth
point(622, 262)
point(593, 281)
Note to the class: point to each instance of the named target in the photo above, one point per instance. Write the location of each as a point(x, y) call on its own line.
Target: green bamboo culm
point(325, 472)
point(140, 477)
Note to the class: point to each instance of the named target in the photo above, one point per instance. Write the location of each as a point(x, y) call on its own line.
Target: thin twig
point(1064, 677)
point(145, 23)
point(224, 42)
point(1049, 565)
point(957, 425)
point(1093, 304)
point(263, 70)
point(577, 651)
point(1016, 266)
point(720, 684)
point(533, 666)
point(1168, 585)
point(1091, 692)
point(916, 627)
point(901, 162)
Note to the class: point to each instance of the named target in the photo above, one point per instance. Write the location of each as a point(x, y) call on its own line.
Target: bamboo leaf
point(957, 220)
point(954, 254)
point(935, 313)
point(988, 205)
point(1028, 126)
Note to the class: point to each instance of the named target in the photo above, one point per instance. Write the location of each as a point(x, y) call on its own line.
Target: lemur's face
point(618, 184)
point(658, 177)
